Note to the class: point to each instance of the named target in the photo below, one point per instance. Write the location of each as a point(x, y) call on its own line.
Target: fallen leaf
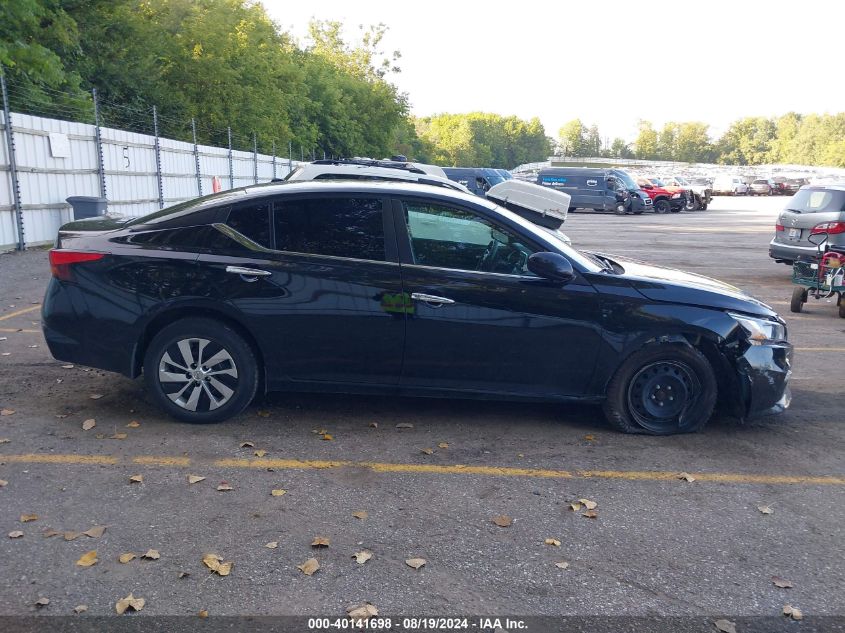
point(129, 602)
point(260, 453)
point(96, 531)
point(100, 436)
point(32, 346)
point(765, 509)
point(125, 558)
point(320, 541)
point(215, 564)
point(327, 436)
point(133, 424)
point(404, 425)
point(590, 438)
point(363, 612)
point(562, 565)
point(136, 479)
point(202, 614)
point(72, 536)
point(502, 520)
point(590, 505)
point(443, 445)
point(427, 451)
point(793, 612)
point(67, 366)
point(590, 514)
point(118, 436)
point(272, 545)
point(42, 602)
point(686, 477)
point(725, 626)
point(416, 563)
point(51, 532)
point(782, 582)
point(152, 554)
point(26, 518)
point(7, 353)
point(3, 483)
point(574, 506)
point(82, 608)
point(263, 414)
point(363, 556)
point(373, 425)
point(15, 534)
point(278, 492)
point(224, 486)
point(309, 567)
point(88, 559)
point(89, 424)
point(320, 432)
point(552, 541)
point(7, 411)
point(247, 445)
point(95, 396)
point(360, 514)
point(61, 416)
point(192, 479)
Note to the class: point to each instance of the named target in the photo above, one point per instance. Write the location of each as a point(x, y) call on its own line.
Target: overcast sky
point(610, 63)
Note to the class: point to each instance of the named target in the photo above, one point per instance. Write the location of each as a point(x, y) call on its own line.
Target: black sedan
point(365, 287)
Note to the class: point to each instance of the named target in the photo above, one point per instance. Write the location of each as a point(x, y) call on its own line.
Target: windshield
point(492, 176)
point(657, 182)
point(626, 180)
point(681, 181)
point(817, 201)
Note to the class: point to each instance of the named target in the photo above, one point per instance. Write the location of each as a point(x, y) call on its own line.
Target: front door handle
point(432, 300)
point(248, 274)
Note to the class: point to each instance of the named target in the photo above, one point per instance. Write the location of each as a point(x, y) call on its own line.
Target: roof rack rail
point(371, 162)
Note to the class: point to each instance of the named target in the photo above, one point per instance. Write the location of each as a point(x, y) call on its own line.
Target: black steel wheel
point(662, 390)
point(662, 206)
point(200, 370)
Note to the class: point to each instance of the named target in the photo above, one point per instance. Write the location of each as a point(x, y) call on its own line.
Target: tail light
point(831, 228)
point(62, 261)
point(779, 227)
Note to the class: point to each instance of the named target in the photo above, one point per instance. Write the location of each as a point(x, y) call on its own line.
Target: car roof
point(408, 172)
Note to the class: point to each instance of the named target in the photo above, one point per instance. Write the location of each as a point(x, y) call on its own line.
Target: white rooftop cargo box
point(540, 205)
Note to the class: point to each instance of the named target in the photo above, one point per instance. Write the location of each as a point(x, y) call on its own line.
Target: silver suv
point(812, 210)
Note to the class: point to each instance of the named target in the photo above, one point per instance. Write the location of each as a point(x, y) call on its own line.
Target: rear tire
point(799, 298)
point(662, 390)
point(841, 309)
point(200, 370)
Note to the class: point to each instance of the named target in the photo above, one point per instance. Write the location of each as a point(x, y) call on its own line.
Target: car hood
point(659, 283)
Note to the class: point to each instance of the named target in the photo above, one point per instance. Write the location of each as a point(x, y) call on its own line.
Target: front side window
point(340, 227)
point(446, 237)
point(252, 221)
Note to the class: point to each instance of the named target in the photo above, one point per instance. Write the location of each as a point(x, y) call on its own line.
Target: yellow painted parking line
point(428, 469)
point(12, 329)
point(19, 312)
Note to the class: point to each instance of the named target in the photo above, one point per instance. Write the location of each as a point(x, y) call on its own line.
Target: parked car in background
point(663, 200)
point(813, 210)
point(701, 192)
point(763, 187)
point(401, 289)
point(729, 186)
point(792, 185)
point(597, 189)
point(477, 179)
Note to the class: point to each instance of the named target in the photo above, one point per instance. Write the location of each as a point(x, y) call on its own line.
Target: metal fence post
point(290, 156)
point(158, 160)
point(254, 158)
point(101, 170)
point(231, 168)
point(196, 156)
point(13, 167)
point(274, 160)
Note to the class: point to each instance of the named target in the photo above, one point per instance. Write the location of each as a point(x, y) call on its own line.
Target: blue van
point(601, 189)
point(476, 179)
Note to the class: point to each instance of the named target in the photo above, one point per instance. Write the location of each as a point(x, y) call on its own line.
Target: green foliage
point(572, 139)
point(481, 139)
point(646, 145)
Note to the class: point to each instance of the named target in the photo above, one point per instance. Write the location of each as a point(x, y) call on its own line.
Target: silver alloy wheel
point(204, 377)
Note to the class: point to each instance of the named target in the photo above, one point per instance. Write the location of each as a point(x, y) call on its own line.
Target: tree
point(692, 143)
point(645, 147)
point(573, 138)
point(620, 149)
point(747, 142)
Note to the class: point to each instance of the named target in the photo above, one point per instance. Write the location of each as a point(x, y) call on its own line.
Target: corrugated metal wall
point(129, 162)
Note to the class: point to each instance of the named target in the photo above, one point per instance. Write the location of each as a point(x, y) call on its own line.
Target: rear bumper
point(789, 253)
point(763, 372)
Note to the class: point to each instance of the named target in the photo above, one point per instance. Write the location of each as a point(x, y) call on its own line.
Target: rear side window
point(252, 221)
point(340, 227)
point(817, 201)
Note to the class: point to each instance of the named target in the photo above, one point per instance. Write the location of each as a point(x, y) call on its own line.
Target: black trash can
point(87, 206)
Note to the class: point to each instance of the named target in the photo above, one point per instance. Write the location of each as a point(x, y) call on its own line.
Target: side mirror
point(552, 266)
point(817, 239)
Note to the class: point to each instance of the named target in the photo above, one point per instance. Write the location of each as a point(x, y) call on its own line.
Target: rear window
point(817, 201)
point(760, 182)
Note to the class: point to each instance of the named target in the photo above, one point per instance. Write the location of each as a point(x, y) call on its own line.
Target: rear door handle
point(433, 300)
point(248, 274)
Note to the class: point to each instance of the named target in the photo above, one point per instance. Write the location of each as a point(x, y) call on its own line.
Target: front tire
point(662, 206)
point(620, 208)
point(200, 370)
point(662, 390)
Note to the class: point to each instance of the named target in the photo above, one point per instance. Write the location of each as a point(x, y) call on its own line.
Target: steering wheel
point(489, 256)
point(517, 260)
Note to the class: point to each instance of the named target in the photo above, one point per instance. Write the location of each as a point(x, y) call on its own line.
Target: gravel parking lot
point(431, 476)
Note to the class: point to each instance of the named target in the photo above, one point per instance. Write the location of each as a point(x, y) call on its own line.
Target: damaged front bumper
point(763, 373)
